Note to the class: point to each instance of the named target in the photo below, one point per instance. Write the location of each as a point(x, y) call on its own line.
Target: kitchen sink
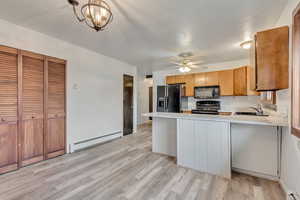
point(251, 113)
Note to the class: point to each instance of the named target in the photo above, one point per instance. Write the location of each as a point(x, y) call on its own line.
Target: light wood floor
point(126, 169)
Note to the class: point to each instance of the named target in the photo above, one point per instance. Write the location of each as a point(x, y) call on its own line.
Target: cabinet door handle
point(32, 117)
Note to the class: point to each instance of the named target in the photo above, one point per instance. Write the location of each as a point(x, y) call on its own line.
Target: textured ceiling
point(145, 33)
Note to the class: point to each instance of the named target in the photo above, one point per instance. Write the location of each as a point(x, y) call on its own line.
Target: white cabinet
point(204, 146)
point(255, 150)
point(164, 136)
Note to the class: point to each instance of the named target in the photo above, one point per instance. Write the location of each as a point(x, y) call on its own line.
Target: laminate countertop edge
point(235, 119)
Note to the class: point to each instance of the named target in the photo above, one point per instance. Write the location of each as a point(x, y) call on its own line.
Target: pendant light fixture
point(95, 13)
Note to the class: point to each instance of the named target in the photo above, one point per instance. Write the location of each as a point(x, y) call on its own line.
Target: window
point(296, 74)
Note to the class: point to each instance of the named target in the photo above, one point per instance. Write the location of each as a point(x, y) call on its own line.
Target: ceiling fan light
point(184, 69)
point(187, 69)
point(246, 44)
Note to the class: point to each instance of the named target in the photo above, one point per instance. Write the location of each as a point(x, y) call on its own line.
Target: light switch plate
point(75, 86)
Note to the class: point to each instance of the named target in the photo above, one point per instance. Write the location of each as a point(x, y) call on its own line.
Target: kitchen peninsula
point(217, 144)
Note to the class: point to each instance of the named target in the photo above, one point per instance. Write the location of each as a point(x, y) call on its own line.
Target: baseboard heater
point(94, 141)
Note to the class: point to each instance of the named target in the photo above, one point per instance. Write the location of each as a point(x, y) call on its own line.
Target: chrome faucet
point(259, 110)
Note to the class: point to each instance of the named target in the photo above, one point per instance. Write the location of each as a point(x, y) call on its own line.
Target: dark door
point(150, 101)
point(127, 104)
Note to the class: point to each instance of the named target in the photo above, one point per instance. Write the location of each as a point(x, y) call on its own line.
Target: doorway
point(127, 105)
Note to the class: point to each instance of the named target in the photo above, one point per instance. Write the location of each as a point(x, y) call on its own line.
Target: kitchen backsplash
point(228, 104)
point(241, 103)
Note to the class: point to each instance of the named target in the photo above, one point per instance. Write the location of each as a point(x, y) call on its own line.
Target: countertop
point(236, 119)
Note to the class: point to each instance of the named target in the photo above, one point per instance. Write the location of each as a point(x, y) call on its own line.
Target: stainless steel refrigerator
point(169, 98)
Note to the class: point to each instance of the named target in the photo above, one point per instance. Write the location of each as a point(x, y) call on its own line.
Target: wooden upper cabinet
point(189, 85)
point(200, 79)
point(175, 79)
point(8, 109)
point(252, 67)
point(32, 125)
point(234, 82)
point(211, 78)
point(207, 79)
point(251, 91)
point(226, 82)
point(272, 59)
point(171, 80)
point(56, 108)
point(180, 79)
point(296, 74)
point(240, 81)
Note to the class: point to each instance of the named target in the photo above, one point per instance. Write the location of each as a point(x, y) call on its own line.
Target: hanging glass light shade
point(95, 13)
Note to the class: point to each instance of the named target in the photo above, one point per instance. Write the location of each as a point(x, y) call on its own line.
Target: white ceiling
point(145, 33)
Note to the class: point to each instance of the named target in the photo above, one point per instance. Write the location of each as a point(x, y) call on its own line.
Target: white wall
point(143, 98)
point(95, 108)
point(291, 151)
point(227, 103)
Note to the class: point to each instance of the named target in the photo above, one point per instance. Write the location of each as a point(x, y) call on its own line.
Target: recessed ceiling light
point(246, 44)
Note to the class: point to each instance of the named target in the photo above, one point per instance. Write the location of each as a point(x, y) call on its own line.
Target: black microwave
point(207, 92)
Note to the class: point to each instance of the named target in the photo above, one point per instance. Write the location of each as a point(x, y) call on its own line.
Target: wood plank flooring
point(126, 169)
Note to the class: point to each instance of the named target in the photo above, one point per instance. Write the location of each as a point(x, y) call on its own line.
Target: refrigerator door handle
point(167, 104)
point(166, 98)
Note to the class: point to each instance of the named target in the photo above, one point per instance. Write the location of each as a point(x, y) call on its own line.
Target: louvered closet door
point(56, 108)
point(8, 110)
point(32, 128)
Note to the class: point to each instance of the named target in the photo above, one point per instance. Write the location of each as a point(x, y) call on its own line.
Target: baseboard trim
point(287, 191)
point(284, 188)
point(147, 123)
point(94, 141)
point(260, 175)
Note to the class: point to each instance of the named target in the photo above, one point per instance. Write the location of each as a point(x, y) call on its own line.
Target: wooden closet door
point(56, 138)
point(32, 127)
point(8, 109)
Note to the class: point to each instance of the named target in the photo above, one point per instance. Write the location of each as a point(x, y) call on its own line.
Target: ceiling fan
point(185, 62)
